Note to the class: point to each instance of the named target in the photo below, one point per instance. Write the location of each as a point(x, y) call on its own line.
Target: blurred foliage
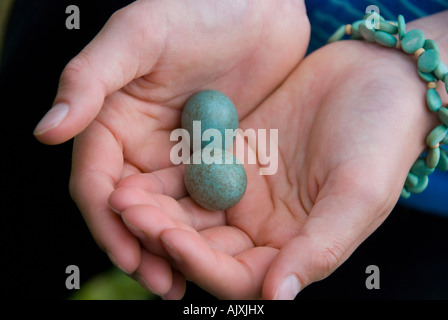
point(5, 6)
point(111, 285)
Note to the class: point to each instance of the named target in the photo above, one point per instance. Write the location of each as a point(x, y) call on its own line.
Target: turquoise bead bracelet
point(375, 29)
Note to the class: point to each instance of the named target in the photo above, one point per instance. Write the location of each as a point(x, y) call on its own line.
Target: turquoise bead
point(445, 141)
point(355, 30)
point(428, 77)
point(401, 27)
point(411, 180)
point(433, 100)
point(412, 41)
point(338, 35)
point(432, 158)
point(421, 185)
point(214, 110)
point(405, 194)
point(388, 27)
point(446, 82)
point(428, 61)
point(366, 33)
point(443, 116)
point(216, 186)
point(443, 162)
point(441, 71)
point(430, 44)
point(420, 169)
point(436, 135)
point(385, 39)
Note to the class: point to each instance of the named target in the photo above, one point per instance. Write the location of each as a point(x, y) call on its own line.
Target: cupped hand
point(122, 95)
point(352, 120)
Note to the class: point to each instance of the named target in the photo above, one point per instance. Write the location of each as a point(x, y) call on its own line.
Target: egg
point(217, 182)
point(214, 110)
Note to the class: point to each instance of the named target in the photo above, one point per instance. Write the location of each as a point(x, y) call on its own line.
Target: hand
point(351, 122)
point(122, 95)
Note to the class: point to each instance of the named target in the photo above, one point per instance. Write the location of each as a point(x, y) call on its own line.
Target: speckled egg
point(215, 111)
point(215, 185)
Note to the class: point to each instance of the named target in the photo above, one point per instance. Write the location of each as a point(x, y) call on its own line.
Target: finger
point(184, 211)
point(147, 222)
point(97, 160)
point(178, 288)
point(169, 182)
point(111, 60)
point(226, 277)
point(155, 274)
point(335, 228)
point(227, 239)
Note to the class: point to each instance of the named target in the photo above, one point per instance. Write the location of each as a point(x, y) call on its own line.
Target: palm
point(334, 140)
point(232, 57)
point(179, 48)
point(335, 150)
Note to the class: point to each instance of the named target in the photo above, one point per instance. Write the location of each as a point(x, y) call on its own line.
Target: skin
point(348, 134)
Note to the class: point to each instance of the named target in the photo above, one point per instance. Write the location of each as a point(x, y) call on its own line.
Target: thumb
point(116, 56)
point(335, 228)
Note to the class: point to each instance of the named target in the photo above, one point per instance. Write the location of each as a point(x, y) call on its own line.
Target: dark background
point(43, 231)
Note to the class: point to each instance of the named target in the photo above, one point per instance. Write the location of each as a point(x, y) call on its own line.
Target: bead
point(401, 27)
point(348, 29)
point(443, 162)
point(445, 141)
point(428, 77)
point(446, 82)
point(430, 44)
point(437, 145)
point(432, 85)
point(433, 100)
point(366, 33)
point(436, 135)
point(355, 30)
point(338, 35)
point(421, 185)
point(411, 180)
point(428, 61)
point(441, 71)
point(388, 27)
point(419, 52)
point(405, 194)
point(443, 116)
point(420, 169)
point(216, 185)
point(214, 110)
point(432, 158)
point(412, 41)
point(385, 39)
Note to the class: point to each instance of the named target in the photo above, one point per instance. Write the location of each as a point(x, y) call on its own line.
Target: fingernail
point(171, 250)
point(52, 119)
point(289, 288)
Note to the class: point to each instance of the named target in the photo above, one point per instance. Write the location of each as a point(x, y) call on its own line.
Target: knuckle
point(75, 69)
point(329, 258)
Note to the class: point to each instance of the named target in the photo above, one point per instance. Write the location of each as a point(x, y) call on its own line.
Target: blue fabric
point(327, 15)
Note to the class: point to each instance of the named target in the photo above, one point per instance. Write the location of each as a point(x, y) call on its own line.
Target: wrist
point(426, 41)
